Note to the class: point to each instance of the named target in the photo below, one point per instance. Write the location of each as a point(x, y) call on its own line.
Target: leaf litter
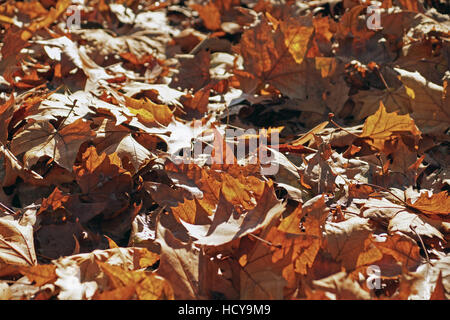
point(120, 179)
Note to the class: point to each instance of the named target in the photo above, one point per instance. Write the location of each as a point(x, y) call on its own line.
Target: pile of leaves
point(99, 98)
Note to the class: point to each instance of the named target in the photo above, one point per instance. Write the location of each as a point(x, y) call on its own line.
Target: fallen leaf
point(436, 206)
point(148, 112)
point(228, 225)
point(345, 240)
point(210, 15)
point(179, 264)
point(382, 125)
point(16, 243)
point(402, 249)
point(268, 58)
point(40, 274)
point(39, 139)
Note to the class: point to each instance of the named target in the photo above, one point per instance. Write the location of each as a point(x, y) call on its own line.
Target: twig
point(330, 117)
point(421, 242)
point(6, 208)
point(278, 246)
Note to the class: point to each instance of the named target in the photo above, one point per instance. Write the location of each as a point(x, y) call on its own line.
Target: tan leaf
point(179, 264)
point(427, 108)
point(345, 240)
point(16, 243)
point(39, 139)
point(228, 225)
point(340, 287)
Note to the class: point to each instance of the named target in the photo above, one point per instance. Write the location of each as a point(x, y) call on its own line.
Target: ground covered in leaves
point(100, 100)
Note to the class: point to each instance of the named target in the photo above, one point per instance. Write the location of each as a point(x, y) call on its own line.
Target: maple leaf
point(436, 206)
point(259, 276)
point(38, 139)
point(192, 212)
point(40, 274)
point(238, 189)
point(402, 249)
point(425, 102)
point(268, 55)
point(101, 171)
point(148, 112)
point(227, 225)
point(382, 125)
point(118, 139)
point(198, 102)
point(179, 264)
point(16, 243)
point(194, 71)
point(146, 286)
point(11, 169)
point(345, 240)
point(307, 224)
point(210, 15)
point(79, 276)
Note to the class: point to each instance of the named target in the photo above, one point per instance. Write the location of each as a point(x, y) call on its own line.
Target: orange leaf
point(435, 207)
point(380, 126)
point(402, 249)
point(40, 274)
point(275, 56)
point(439, 289)
point(210, 15)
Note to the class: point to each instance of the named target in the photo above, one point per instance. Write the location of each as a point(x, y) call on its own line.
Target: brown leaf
point(210, 15)
point(268, 56)
point(11, 169)
point(439, 289)
point(228, 225)
point(402, 249)
point(180, 263)
point(6, 113)
point(40, 274)
point(39, 139)
point(436, 206)
point(194, 71)
point(345, 240)
point(198, 102)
